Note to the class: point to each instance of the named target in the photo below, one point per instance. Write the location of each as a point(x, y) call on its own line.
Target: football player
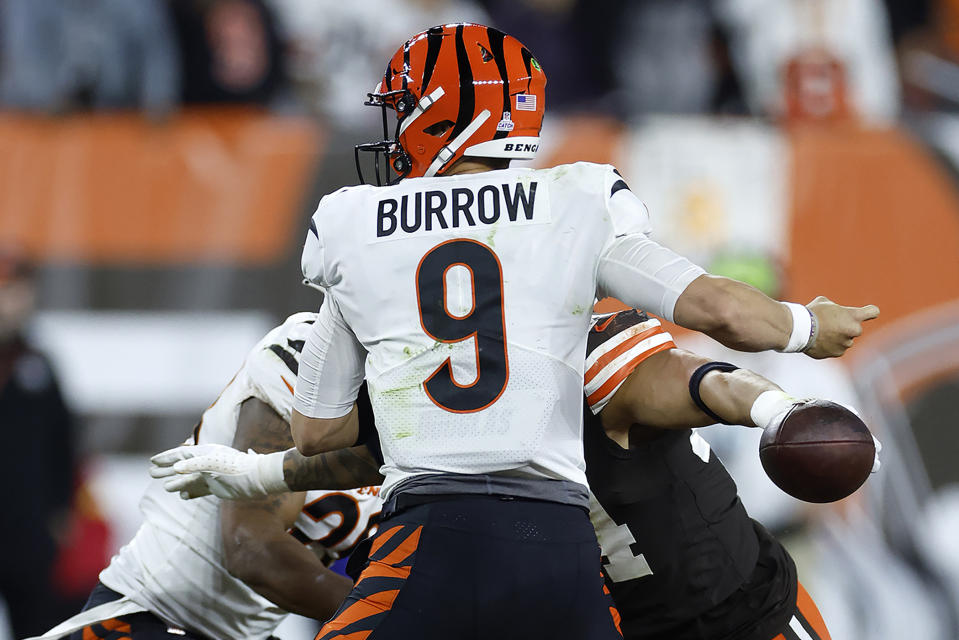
point(207, 570)
point(680, 554)
point(461, 293)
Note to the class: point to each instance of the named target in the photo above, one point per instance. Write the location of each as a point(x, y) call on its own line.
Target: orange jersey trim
point(623, 372)
point(619, 350)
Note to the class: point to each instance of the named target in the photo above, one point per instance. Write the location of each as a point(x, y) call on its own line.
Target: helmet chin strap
point(447, 152)
point(425, 103)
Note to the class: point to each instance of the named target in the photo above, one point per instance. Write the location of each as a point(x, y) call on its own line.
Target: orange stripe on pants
point(115, 627)
point(376, 603)
point(809, 611)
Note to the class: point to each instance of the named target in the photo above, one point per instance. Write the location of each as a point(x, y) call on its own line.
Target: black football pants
point(480, 567)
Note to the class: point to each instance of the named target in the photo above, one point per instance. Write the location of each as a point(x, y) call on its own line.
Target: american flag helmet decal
point(525, 102)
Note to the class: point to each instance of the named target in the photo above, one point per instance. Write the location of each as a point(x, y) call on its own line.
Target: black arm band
point(696, 379)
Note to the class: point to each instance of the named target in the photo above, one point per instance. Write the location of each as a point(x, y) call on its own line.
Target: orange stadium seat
point(874, 220)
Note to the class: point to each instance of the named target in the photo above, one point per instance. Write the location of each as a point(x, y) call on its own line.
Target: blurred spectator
point(339, 50)
point(230, 51)
point(664, 58)
point(906, 16)
point(814, 83)
point(768, 35)
point(59, 55)
point(37, 466)
point(930, 59)
point(573, 39)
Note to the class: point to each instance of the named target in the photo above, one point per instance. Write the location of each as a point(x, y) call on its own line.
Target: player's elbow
point(313, 436)
point(710, 305)
point(310, 435)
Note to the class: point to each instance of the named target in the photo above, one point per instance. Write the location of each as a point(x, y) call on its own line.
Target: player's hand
point(194, 471)
point(837, 326)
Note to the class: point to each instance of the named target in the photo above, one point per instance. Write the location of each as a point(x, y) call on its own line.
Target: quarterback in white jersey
point(176, 571)
point(464, 374)
point(462, 294)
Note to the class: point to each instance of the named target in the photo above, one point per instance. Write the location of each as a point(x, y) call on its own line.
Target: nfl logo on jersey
point(526, 102)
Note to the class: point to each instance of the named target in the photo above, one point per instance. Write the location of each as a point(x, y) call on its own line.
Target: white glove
point(770, 408)
point(199, 470)
point(876, 463)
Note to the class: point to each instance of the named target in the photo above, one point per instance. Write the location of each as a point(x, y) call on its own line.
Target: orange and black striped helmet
point(457, 90)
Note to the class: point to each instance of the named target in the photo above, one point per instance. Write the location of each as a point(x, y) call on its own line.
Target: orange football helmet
point(457, 90)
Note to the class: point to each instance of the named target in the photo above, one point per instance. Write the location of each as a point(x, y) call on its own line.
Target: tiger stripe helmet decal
point(458, 90)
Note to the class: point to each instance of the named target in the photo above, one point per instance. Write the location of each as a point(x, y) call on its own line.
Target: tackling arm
point(656, 394)
point(256, 546)
point(638, 382)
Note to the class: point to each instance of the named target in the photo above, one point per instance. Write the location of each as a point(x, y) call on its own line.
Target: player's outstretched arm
point(742, 317)
point(657, 394)
point(646, 275)
point(256, 546)
point(638, 382)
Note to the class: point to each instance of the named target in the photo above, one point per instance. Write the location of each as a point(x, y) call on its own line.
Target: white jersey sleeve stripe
point(601, 388)
point(612, 347)
point(602, 376)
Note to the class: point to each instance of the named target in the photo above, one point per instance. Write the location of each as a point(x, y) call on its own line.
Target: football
point(820, 452)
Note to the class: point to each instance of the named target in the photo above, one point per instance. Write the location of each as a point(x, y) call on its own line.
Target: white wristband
point(771, 407)
point(270, 469)
point(802, 331)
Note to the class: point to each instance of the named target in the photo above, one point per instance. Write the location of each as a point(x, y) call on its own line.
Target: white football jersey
point(468, 298)
point(173, 567)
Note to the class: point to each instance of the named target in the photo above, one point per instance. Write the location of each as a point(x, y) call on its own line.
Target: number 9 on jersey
point(484, 323)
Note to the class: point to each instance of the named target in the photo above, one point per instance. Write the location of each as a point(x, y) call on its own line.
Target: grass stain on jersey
point(492, 234)
point(579, 310)
point(399, 435)
point(396, 390)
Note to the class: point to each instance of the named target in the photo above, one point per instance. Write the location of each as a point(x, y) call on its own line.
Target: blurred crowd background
point(159, 160)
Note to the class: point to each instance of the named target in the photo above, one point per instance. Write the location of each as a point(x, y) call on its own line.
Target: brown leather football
point(821, 452)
